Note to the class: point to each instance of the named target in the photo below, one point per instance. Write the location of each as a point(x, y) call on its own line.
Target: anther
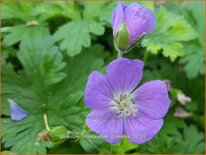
point(133, 102)
point(121, 97)
point(117, 101)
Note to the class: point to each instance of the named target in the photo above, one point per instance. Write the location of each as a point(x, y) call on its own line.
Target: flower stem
point(120, 54)
point(145, 56)
point(46, 122)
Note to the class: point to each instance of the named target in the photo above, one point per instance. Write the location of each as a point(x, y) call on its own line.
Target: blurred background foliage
point(50, 48)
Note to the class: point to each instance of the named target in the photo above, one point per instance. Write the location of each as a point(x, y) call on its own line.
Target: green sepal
point(55, 135)
point(122, 37)
point(138, 41)
point(58, 134)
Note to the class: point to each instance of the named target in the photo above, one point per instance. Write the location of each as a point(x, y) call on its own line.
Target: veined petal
point(104, 123)
point(139, 20)
point(98, 94)
point(118, 16)
point(124, 74)
point(151, 22)
point(152, 99)
point(141, 128)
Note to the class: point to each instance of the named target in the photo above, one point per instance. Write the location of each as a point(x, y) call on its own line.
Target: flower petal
point(17, 113)
point(104, 123)
point(98, 94)
point(139, 20)
point(141, 128)
point(183, 99)
point(181, 113)
point(118, 16)
point(152, 99)
point(151, 22)
point(124, 74)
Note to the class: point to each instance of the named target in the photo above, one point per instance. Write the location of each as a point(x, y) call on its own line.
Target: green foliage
point(20, 27)
point(20, 33)
point(197, 18)
point(42, 61)
point(175, 137)
point(103, 10)
point(193, 52)
point(35, 89)
point(75, 35)
point(47, 11)
point(194, 59)
point(27, 89)
point(22, 136)
point(190, 141)
point(170, 35)
point(124, 146)
point(90, 142)
point(16, 10)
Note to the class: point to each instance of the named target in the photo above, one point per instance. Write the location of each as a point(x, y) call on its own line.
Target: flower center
point(124, 105)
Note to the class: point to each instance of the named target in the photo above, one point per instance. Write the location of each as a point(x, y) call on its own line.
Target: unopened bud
point(122, 37)
point(58, 134)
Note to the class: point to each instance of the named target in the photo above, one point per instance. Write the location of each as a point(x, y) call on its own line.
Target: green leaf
point(23, 32)
point(24, 25)
point(191, 142)
point(76, 34)
point(170, 33)
point(44, 10)
point(42, 61)
point(197, 9)
point(17, 10)
point(22, 136)
point(172, 125)
point(124, 146)
point(18, 88)
point(59, 101)
point(91, 142)
point(7, 152)
point(48, 10)
point(103, 10)
point(66, 148)
point(194, 60)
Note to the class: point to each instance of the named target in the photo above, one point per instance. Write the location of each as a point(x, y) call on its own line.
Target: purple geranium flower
point(139, 20)
point(17, 113)
point(120, 108)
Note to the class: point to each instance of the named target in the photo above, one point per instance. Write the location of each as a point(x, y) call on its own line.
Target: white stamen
point(124, 105)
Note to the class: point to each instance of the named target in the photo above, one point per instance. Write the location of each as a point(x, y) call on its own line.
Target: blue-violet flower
point(118, 108)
